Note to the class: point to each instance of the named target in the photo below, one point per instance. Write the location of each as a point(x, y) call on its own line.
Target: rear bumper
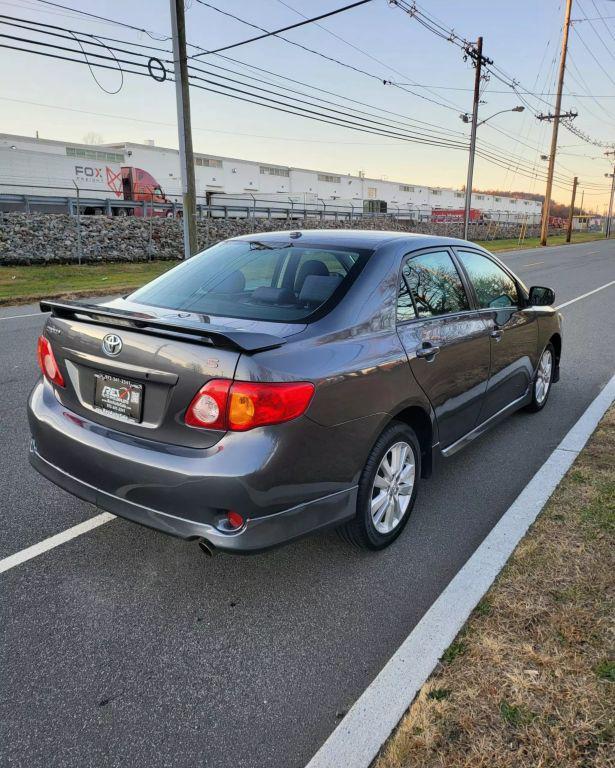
point(182, 492)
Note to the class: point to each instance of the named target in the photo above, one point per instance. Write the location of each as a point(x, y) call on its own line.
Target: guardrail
point(28, 203)
point(251, 208)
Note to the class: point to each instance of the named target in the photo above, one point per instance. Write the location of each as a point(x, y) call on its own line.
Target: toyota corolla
point(284, 383)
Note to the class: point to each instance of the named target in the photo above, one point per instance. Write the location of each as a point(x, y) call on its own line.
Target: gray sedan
point(279, 384)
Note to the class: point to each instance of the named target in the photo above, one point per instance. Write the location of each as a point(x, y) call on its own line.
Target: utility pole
point(544, 230)
point(610, 214)
point(574, 194)
point(79, 243)
point(184, 128)
point(609, 217)
point(477, 55)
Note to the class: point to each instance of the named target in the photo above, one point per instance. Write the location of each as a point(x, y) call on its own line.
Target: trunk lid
point(165, 357)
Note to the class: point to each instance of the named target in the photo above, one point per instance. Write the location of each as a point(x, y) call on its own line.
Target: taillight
point(243, 405)
point(47, 362)
point(208, 409)
point(254, 405)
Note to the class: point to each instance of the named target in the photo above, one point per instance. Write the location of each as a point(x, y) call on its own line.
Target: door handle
point(427, 351)
point(496, 334)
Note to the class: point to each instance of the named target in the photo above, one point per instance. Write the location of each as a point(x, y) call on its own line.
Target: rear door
point(445, 339)
point(513, 329)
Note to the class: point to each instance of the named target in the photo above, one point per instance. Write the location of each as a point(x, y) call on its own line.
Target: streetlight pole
point(466, 119)
point(468, 202)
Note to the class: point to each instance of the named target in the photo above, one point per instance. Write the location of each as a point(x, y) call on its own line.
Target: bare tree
point(91, 137)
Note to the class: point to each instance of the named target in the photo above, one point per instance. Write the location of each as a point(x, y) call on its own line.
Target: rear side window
point(431, 280)
point(256, 281)
point(494, 288)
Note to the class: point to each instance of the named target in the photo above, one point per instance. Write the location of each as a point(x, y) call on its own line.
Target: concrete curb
point(361, 734)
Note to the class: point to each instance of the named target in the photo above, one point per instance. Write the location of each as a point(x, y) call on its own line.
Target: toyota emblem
point(112, 345)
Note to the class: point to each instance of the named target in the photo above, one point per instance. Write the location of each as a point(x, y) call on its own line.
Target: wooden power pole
point(184, 127)
point(574, 194)
point(478, 62)
point(544, 229)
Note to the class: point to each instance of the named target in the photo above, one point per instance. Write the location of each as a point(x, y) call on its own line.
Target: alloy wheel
point(543, 377)
point(392, 488)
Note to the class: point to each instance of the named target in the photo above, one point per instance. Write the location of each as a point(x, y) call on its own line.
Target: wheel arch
point(556, 340)
point(423, 424)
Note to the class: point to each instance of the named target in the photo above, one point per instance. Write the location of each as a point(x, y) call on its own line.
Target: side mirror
point(541, 296)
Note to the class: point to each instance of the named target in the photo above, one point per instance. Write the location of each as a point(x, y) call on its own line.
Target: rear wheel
point(387, 489)
point(543, 380)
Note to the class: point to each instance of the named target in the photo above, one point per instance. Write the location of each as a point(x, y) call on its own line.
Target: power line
point(322, 114)
point(327, 57)
point(105, 19)
point(592, 54)
point(288, 27)
point(363, 52)
point(598, 35)
point(344, 109)
point(283, 107)
point(603, 19)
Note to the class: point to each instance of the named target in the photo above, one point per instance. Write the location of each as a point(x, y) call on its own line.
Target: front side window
point(494, 288)
point(256, 281)
point(434, 283)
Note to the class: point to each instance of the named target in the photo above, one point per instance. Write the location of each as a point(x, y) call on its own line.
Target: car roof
point(357, 238)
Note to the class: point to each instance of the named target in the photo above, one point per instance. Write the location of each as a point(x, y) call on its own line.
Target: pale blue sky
point(522, 37)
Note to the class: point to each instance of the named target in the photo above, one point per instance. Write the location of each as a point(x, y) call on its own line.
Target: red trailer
point(454, 215)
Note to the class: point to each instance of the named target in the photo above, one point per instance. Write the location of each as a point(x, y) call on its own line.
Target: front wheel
point(387, 489)
point(543, 380)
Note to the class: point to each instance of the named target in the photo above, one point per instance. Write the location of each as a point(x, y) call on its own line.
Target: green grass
point(456, 648)
point(606, 671)
point(534, 242)
point(439, 694)
point(515, 715)
point(22, 284)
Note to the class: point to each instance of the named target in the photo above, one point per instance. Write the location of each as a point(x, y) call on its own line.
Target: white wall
point(244, 176)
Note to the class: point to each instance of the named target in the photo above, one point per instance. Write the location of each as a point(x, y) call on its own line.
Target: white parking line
point(533, 264)
point(54, 541)
point(585, 295)
point(31, 314)
point(88, 525)
point(358, 738)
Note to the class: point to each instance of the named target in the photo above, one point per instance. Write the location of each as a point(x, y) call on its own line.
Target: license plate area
point(118, 398)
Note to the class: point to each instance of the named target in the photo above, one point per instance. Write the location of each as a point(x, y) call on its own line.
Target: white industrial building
point(45, 167)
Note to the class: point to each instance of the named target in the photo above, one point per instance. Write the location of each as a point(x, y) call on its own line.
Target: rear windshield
point(257, 281)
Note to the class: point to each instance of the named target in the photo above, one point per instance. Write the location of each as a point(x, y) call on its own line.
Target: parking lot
point(126, 647)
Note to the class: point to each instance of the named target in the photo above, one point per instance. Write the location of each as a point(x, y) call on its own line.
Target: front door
point(513, 330)
point(447, 342)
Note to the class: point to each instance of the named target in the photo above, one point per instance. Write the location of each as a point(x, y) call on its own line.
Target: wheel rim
point(543, 377)
point(392, 488)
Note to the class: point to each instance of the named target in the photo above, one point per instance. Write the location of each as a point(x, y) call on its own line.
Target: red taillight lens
point(243, 405)
point(47, 362)
point(208, 409)
point(254, 405)
point(235, 520)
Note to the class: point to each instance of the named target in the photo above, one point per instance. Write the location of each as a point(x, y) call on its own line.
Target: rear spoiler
point(243, 341)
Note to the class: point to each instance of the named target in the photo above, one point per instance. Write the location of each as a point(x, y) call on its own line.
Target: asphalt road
point(124, 647)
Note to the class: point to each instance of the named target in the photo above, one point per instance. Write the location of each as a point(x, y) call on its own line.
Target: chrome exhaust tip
point(207, 548)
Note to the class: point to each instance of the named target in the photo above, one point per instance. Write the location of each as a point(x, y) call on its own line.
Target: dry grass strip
point(530, 680)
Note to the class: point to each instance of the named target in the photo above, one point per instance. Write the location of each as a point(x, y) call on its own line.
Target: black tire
point(537, 403)
point(361, 530)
